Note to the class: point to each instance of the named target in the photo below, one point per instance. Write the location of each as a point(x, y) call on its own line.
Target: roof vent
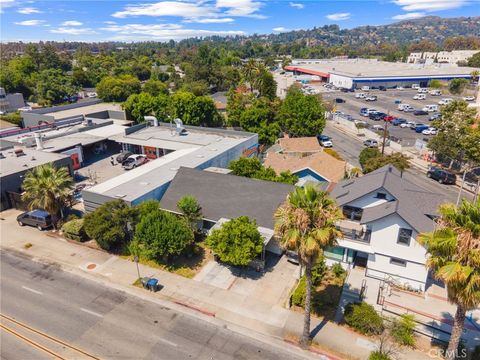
point(120, 196)
point(213, 149)
point(144, 183)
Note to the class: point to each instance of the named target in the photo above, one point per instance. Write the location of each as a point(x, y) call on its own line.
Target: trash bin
point(152, 284)
point(145, 281)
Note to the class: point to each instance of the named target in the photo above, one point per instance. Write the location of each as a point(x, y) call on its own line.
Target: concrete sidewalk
point(251, 314)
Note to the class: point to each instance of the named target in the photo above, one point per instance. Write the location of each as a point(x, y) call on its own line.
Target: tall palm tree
point(454, 249)
point(251, 70)
point(47, 188)
point(306, 223)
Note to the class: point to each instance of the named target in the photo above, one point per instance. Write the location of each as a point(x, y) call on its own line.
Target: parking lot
point(386, 103)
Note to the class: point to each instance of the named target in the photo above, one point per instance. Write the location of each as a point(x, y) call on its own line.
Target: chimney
point(38, 140)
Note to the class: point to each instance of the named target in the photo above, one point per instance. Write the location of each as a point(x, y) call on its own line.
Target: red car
point(389, 118)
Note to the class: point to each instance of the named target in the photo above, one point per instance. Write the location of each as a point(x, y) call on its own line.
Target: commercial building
point(168, 149)
point(384, 213)
point(15, 162)
point(355, 73)
point(450, 57)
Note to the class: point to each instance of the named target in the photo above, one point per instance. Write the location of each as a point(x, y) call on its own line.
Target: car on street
point(441, 175)
point(371, 143)
point(419, 97)
point(435, 116)
point(420, 128)
point(325, 141)
point(430, 131)
point(468, 98)
point(133, 161)
point(123, 156)
point(420, 112)
point(398, 122)
point(339, 100)
point(37, 218)
point(371, 98)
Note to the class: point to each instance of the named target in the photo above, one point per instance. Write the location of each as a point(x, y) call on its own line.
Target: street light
point(135, 258)
point(463, 182)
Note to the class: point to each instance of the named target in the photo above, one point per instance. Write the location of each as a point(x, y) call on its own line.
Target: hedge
point(363, 318)
point(74, 230)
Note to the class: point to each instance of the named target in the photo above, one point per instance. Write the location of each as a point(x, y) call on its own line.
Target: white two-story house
point(384, 213)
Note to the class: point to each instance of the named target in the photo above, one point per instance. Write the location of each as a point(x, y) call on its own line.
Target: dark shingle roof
point(227, 196)
point(413, 203)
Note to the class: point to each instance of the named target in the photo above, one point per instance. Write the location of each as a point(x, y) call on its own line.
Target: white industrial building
point(450, 57)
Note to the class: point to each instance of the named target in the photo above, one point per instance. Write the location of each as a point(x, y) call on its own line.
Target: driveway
point(272, 286)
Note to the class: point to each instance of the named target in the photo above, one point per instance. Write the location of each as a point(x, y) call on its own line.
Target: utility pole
point(384, 134)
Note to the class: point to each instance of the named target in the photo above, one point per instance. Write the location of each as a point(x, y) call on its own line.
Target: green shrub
point(363, 318)
point(298, 296)
point(74, 230)
point(337, 270)
point(334, 154)
point(403, 330)
point(318, 271)
point(13, 118)
point(377, 355)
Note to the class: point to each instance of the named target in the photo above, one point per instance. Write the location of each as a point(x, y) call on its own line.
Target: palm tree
point(251, 70)
point(454, 249)
point(306, 223)
point(47, 188)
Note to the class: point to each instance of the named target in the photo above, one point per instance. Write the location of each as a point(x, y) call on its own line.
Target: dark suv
point(38, 218)
point(442, 176)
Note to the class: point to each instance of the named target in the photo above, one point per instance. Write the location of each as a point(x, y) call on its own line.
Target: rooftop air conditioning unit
point(27, 140)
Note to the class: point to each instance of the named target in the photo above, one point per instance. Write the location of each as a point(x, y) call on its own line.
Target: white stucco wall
point(370, 199)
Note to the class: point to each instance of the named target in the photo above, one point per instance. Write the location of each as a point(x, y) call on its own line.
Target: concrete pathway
point(248, 313)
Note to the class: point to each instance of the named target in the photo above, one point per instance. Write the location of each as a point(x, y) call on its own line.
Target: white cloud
point(280, 29)
point(72, 23)
point(430, 5)
point(240, 7)
point(28, 10)
point(161, 32)
point(6, 3)
point(109, 22)
point(30, 22)
point(73, 31)
point(210, 20)
point(296, 5)
point(409, 16)
point(168, 8)
point(338, 16)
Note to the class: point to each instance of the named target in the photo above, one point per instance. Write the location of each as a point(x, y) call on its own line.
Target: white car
point(400, 88)
point(133, 161)
point(423, 90)
point(435, 92)
point(445, 101)
point(325, 141)
point(408, 124)
point(469, 98)
point(430, 131)
point(419, 97)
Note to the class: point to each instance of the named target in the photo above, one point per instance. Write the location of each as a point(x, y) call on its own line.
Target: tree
point(52, 87)
point(398, 160)
point(266, 84)
point(250, 72)
point(474, 61)
point(155, 87)
point(306, 223)
point(159, 235)
point(454, 249)
point(111, 224)
point(456, 86)
point(138, 106)
point(47, 187)
point(301, 115)
point(195, 110)
point(118, 88)
point(367, 154)
point(253, 168)
point(191, 210)
point(237, 242)
point(435, 84)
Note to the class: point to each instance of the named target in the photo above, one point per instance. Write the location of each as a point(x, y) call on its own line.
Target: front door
point(360, 259)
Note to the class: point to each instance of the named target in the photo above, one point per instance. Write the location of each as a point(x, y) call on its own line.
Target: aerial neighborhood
point(176, 190)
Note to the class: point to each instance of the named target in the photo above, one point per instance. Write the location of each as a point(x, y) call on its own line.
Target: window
point(381, 195)
point(398, 262)
point(404, 236)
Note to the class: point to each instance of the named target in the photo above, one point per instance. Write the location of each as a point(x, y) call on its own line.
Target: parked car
point(408, 108)
point(123, 156)
point(441, 175)
point(430, 131)
point(435, 116)
point(377, 127)
point(430, 108)
point(423, 90)
point(365, 88)
point(358, 122)
point(389, 118)
point(133, 161)
point(469, 98)
point(371, 98)
point(408, 124)
point(419, 97)
point(325, 141)
point(445, 101)
point(400, 88)
point(420, 128)
point(38, 218)
point(371, 143)
point(339, 100)
point(377, 116)
point(398, 122)
point(435, 92)
point(382, 88)
point(360, 95)
point(415, 86)
point(420, 112)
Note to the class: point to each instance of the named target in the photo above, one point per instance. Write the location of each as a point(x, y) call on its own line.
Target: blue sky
point(104, 20)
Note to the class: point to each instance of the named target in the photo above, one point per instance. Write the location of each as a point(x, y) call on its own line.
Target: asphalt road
point(110, 324)
point(350, 148)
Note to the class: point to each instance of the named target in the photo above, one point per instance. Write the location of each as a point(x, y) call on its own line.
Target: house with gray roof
point(384, 213)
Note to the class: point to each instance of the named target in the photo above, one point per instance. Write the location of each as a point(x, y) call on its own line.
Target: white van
point(422, 90)
point(415, 86)
point(365, 88)
point(430, 108)
point(360, 95)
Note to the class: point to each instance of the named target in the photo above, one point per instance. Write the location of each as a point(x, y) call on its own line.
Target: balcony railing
point(354, 231)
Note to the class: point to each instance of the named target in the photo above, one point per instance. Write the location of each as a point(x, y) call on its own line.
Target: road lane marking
point(32, 290)
point(92, 312)
point(168, 342)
